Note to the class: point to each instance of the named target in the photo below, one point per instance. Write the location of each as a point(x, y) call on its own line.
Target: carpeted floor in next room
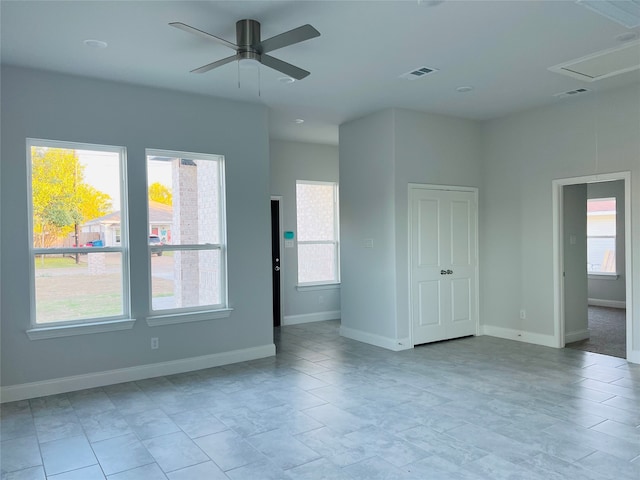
point(608, 332)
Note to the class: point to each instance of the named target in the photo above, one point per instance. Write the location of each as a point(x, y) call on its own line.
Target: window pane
point(601, 235)
point(601, 225)
point(75, 196)
point(181, 279)
point(601, 254)
point(184, 200)
point(76, 202)
point(68, 290)
point(317, 263)
point(315, 212)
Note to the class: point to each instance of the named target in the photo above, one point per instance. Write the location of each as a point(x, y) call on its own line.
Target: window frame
point(600, 273)
point(203, 312)
point(302, 286)
point(86, 325)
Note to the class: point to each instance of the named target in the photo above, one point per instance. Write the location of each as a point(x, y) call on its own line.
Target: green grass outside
point(49, 261)
point(79, 296)
point(79, 307)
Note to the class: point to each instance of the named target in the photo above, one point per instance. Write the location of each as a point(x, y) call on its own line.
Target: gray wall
point(379, 156)
point(429, 149)
point(51, 106)
point(523, 154)
point(574, 229)
point(367, 211)
point(611, 289)
point(291, 161)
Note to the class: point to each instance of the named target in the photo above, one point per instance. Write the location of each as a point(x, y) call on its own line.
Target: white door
point(443, 264)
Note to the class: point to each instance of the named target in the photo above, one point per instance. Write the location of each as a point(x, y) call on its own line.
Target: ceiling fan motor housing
point(247, 35)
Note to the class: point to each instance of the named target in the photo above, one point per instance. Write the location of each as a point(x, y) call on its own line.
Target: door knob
point(443, 272)
point(449, 272)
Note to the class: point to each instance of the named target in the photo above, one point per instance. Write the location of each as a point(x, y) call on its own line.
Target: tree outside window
point(78, 244)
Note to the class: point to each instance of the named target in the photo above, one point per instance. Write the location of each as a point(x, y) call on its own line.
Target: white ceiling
point(501, 48)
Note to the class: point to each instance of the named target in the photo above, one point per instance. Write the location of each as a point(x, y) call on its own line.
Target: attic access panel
point(604, 64)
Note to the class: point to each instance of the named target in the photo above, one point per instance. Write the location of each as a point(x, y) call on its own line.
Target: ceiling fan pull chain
point(238, 62)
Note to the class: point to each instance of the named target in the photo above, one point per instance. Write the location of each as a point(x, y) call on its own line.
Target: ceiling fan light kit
point(249, 46)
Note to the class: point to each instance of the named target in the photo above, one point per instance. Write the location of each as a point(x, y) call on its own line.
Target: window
point(77, 204)
point(317, 219)
point(187, 239)
point(601, 235)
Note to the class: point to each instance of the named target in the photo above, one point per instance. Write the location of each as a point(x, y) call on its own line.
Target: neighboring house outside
point(160, 220)
point(107, 227)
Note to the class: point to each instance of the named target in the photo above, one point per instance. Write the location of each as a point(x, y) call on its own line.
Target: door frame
point(558, 254)
point(433, 187)
point(279, 198)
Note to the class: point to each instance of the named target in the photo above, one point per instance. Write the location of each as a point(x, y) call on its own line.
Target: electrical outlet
point(155, 344)
point(523, 314)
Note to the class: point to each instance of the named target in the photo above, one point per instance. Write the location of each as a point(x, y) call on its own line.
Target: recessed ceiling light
point(626, 37)
point(430, 3)
point(464, 89)
point(286, 80)
point(95, 43)
point(299, 121)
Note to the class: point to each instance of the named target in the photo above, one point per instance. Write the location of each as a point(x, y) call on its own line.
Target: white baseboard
point(99, 379)
point(520, 335)
point(633, 356)
point(599, 302)
point(378, 340)
point(577, 335)
point(311, 317)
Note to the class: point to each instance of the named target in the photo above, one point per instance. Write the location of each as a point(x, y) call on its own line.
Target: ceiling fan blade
point(284, 67)
point(296, 35)
point(211, 66)
point(195, 31)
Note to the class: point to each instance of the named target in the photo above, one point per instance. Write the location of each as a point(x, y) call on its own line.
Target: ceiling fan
point(250, 47)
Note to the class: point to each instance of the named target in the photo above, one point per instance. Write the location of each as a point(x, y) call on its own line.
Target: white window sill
point(186, 317)
point(41, 333)
point(319, 286)
point(603, 276)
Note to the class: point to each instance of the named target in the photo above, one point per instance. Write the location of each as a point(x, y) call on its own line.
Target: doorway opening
point(592, 266)
point(276, 264)
point(607, 332)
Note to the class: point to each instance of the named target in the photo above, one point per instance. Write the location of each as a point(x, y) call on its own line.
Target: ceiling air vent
point(577, 91)
point(418, 73)
point(605, 64)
